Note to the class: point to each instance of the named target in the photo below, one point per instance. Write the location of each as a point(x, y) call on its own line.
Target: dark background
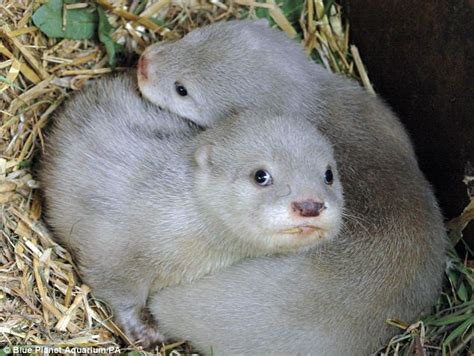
point(419, 56)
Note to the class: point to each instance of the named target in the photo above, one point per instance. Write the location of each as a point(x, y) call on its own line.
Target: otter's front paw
point(139, 325)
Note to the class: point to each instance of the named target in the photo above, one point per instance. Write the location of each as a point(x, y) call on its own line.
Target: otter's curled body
point(145, 200)
point(390, 257)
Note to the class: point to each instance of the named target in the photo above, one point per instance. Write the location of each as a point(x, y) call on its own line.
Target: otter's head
point(221, 69)
point(270, 181)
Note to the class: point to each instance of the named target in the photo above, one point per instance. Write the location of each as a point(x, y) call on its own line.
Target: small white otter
point(143, 209)
point(388, 262)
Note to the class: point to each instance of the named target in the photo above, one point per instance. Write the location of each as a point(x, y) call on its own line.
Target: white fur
point(124, 192)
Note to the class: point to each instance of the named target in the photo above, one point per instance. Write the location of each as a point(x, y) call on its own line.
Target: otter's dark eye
point(328, 177)
point(180, 89)
point(263, 178)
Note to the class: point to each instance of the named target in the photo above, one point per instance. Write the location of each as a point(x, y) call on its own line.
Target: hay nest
point(42, 301)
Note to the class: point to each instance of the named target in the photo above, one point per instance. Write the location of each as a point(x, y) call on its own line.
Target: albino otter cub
point(142, 210)
point(389, 260)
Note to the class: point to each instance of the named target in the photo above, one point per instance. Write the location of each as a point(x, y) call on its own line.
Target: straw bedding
point(42, 301)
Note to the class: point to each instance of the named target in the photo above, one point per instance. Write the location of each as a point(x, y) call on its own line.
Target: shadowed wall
point(420, 57)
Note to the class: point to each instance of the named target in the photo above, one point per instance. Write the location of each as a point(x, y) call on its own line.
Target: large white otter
point(388, 262)
point(143, 208)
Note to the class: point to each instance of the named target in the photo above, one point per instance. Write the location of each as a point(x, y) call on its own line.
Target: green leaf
point(453, 278)
point(140, 7)
point(292, 10)
point(462, 292)
point(263, 13)
point(158, 22)
point(80, 23)
point(10, 83)
point(105, 31)
point(449, 319)
point(24, 164)
point(461, 329)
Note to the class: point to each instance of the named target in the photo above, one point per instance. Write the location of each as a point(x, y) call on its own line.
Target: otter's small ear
point(262, 22)
point(203, 155)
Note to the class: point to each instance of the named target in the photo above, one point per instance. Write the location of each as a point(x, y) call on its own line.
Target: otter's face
point(173, 85)
point(220, 69)
point(277, 195)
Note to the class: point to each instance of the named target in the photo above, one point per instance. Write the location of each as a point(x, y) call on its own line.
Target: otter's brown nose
point(143, 67)
point(308, 208)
